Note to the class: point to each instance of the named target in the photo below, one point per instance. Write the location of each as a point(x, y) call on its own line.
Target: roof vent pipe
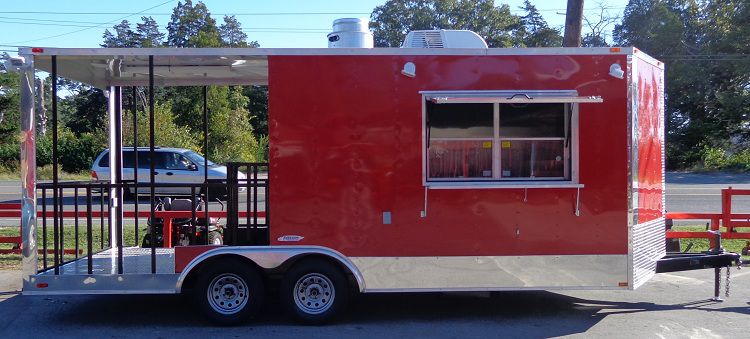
point(350, 33)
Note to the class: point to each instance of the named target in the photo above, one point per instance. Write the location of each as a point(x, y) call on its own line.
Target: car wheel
point(229, 291)
point(215, 238)
point(314, 291)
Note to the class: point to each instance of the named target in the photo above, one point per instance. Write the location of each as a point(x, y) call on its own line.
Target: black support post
point(118, 175)
point(55, 196)
point(135, 159)
point(151, 158)
point(205, 153)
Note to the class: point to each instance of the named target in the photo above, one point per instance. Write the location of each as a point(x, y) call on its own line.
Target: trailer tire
point(314, 291)
point(228, 292)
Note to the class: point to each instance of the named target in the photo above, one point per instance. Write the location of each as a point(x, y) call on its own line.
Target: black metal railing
point(75, 219)
point(253, 228)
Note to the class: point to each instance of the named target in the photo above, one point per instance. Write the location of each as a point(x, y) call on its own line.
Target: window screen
point(498, 141)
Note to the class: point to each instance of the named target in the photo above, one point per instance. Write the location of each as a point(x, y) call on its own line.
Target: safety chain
point(729, 279)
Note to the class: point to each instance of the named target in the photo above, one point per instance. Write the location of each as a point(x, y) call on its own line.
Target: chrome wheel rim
point(314, 293)
point(227, 293)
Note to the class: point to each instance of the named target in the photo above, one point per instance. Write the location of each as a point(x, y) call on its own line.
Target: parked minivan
point(172, 165)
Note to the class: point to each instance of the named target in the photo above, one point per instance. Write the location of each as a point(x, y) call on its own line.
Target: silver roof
point(103, 67)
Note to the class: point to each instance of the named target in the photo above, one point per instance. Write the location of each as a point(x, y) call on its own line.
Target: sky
point(280, 23)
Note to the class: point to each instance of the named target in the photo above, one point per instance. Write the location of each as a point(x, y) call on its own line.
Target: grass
point(13, 261)
point(42, 173)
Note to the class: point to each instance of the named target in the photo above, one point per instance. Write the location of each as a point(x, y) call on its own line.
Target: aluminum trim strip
point(114, 52)
point(516, 100)
point(489, 185)
point(101, 284)
point(467, 273)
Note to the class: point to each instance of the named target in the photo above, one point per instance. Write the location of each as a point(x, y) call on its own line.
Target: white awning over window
point(508, 97)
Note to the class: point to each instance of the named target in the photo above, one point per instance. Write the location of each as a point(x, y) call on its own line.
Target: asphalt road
point(668, 306)
point(686, 192)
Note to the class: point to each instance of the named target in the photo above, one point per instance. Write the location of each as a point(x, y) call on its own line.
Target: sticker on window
point(487, 144)
point(506, 144)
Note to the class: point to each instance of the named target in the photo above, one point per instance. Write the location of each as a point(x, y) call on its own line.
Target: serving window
point(496, 137)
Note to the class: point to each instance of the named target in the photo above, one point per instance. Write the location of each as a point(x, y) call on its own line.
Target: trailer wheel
point(229, 292)
point(314, 291)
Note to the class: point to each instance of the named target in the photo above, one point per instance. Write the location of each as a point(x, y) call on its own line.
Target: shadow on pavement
point(533, 314)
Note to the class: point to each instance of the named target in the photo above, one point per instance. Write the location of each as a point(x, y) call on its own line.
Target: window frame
point(572, 157)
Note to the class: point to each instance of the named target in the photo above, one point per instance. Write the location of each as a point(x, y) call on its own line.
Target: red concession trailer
point(392, 170)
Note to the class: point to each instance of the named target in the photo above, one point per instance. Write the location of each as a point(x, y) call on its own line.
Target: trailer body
point(348, 166)
point(555, 182)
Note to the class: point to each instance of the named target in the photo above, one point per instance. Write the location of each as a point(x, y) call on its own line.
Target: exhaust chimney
point(350, 33)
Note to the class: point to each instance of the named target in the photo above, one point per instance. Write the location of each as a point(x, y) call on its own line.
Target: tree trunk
point(41, 121)
point(573, 23)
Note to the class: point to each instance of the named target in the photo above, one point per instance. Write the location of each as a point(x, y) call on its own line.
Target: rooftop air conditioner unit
point(443, 39)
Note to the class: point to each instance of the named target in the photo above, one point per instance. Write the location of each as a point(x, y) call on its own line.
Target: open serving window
point(501, 138)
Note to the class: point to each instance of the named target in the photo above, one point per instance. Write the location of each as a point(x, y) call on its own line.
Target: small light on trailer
point(615, 49)
point(37, 50)
point(616, 71)
point(409, 70)
point(42, 285)
point(622, 284)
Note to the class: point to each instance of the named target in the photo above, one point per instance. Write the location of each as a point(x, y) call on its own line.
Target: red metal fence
point(731, 221)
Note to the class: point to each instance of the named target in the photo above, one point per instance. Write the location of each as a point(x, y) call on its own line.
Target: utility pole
point(573, 23)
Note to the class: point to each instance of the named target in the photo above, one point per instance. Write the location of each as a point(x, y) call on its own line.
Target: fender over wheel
point(314, 291)
point(229, 291)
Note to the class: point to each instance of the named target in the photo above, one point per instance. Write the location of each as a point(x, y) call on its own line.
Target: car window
point(172, 161)
point(104, 161)
point(128, 160)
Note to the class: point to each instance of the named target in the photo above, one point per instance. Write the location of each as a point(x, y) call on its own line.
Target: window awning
point(508, 97)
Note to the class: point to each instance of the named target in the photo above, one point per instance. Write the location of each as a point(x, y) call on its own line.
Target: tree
point(124, 36)
point(85, 111)
point(391, 21)
point(597, 27)
point(192, 26)
point(148, 33)
point(534, 31)
point(702, 44)
point(232, 34)
point(257, 107)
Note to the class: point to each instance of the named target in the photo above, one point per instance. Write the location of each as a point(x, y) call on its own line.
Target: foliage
point(9, 107)
point(535, 32)
point(232, 34)
point(257, 107)
point(77, 152)
point(391, 21)
point(167, 132)
point(192, 26)
point(704, 45)
point(146, 34)
point(85, 112)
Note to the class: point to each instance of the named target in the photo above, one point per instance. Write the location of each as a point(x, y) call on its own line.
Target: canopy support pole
point(29, 261)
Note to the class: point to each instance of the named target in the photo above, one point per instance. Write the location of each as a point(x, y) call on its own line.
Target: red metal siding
point(346, 146)
point(650, 141)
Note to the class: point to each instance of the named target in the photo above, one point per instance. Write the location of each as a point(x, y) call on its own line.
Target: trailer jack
point(715, 258)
